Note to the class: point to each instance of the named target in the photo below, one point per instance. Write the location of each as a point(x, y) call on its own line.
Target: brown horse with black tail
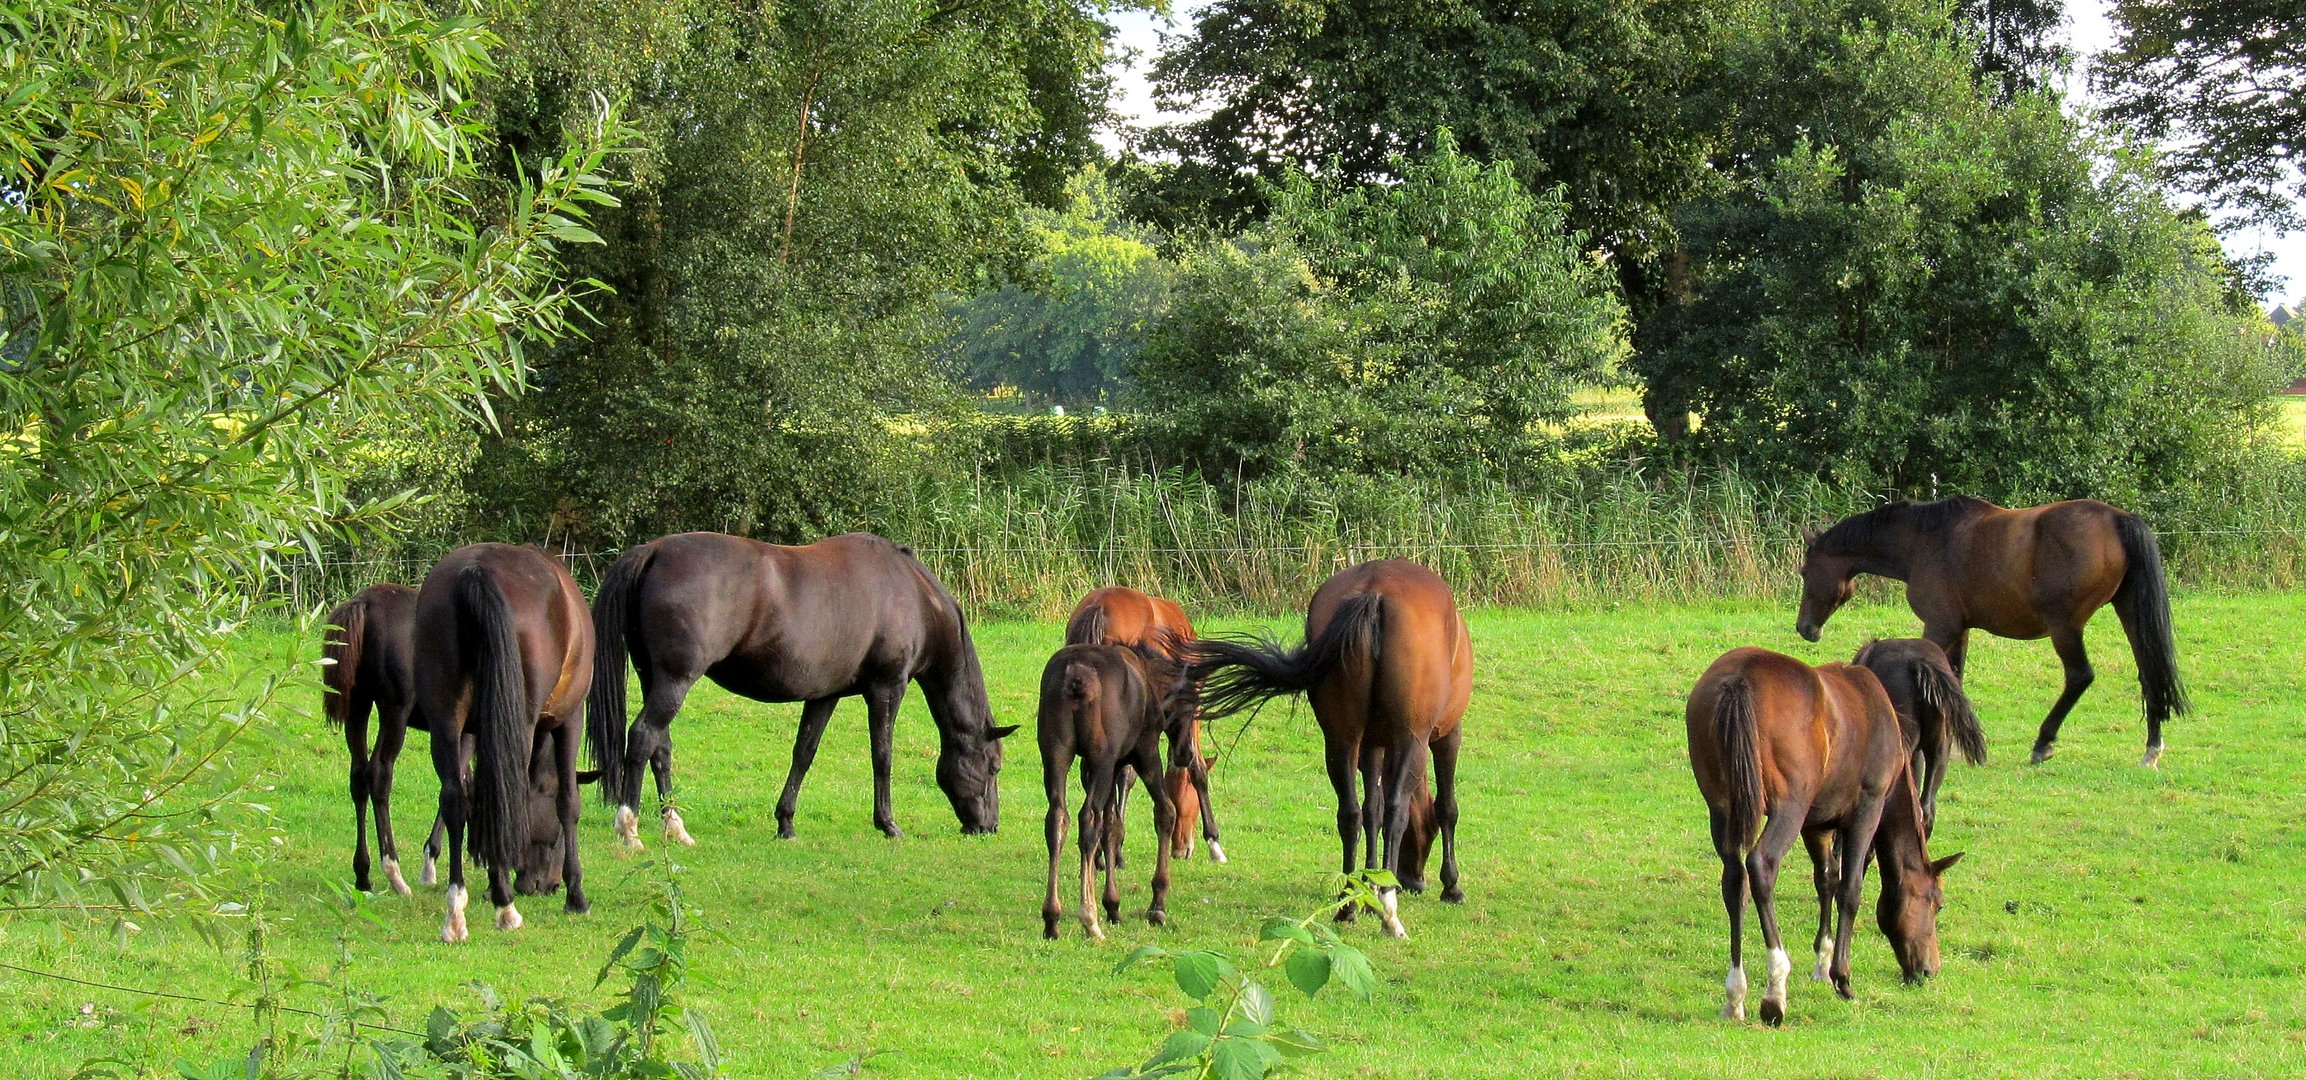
point(2031, 573)
point(504, 654)
point(1388, 665)
point(1119, 615)
point(853, 615)
point(1817, 752)
point(370, 654)
point(1109, 705)
point(1931, 707)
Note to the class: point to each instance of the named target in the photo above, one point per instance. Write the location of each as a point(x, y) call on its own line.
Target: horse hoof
point(676, 831)
point(1773, 1013)
point(430, 875)
point(2153, 758)
point(1416, 886)
point(2042, 753)
point(1842, 988)
point(1453, 895)
point(392, 876)
point(892, 832)
point(1156, 917)
point(1733, 1012)
point(577, 905)
point(628, 827)
point(784, 830)
point(508, 918)
point(452, 929)
point(1216, 852)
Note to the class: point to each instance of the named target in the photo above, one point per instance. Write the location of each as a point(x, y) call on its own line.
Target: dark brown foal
point(1119, 615)
point(1108, 706)
point(1931, 707)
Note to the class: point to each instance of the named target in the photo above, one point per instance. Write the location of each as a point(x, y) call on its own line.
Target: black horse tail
point(499, 721)
point(1086, 627)
point(1237, 673)
point(340, 646)
point(2143, 602)
point(605, 720)
point(1941, 689)
point(1741, 759)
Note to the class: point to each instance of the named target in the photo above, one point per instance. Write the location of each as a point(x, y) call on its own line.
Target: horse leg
point(1164, 823)
point(391, 734)
point(1444, 752)
point(363, 782)
point(2068, 641)
point(1200, 777)
point(650, 738)
point(1339, 755)
point(448, 761)
point(1762, 865)
point(1934, 774)
point(1119, 824)
point(430, 875)
point(814, 716)
point(1401, 764)
point(1372, 807)
point(566, 741)
point(1056, 763)
point(1855, 845)
point(1097, 804)
point(661, 764)
point(1826, 874)
point(881, 723)
point(1733, 899)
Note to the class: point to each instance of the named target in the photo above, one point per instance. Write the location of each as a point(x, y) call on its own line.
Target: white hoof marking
point(508, 918)
point(431, 872)
point(675, 830)
point(1824, 971)
point(392, 875)
point(628, 828)
point(1390, 899)
point(1216, 852)
point(2153, 758)
point(1781, 966)
point(453, 929)
point(1734, 1004)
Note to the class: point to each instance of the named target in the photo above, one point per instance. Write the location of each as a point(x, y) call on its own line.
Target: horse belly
point(780, 679)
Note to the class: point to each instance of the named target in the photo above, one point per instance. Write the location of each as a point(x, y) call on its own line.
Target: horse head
point(1908, 915)
point(1828, 582)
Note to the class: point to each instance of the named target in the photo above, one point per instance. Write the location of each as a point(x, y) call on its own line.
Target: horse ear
point(1004, 732)
point(588, 776)
point(1809, 535)
point(1209, 758)
point(1940, 866)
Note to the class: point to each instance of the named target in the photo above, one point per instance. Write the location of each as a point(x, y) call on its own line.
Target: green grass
point(2294, 420)
point(2109, 920)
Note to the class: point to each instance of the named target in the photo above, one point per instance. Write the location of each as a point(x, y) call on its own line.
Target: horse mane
point(1863, 533)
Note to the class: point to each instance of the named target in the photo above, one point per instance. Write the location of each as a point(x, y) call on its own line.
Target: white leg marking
point(628, 828)
point(392, 874)
point(1781, 966)
point(1390, 899)
point(431, 873)
point(675, 830)
point(1824, 972)
point(508, 918)
point(1734, 1006)
point(453, 929)
point(1216, 852)
point(2153, 758)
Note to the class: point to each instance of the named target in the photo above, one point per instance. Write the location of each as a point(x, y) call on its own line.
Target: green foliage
point(234, 235)
point(1921, 288)
point(1422, 327)
point(1068, 329)
point(2219, 81)
point(1230, 1032)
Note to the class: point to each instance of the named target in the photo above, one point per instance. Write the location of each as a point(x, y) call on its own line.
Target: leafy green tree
point(1426, 326)
point(2220, 82)
point(230, 235)
point(1922, 288)
point(2020, 43)
point(821, 178)
point(1068, 327)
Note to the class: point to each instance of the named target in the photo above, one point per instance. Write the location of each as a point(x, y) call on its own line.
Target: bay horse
point(1932, 708)
point(1818, 752)
point(1388, 665)
point(504, 653)
point(1119, 615)
point(369, 651)
point(853, 615)
point(1109, 705)
point(2025, 574)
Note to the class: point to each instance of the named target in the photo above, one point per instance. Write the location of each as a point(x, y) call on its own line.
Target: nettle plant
point(1230, 1032)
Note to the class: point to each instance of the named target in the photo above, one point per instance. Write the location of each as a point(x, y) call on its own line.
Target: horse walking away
point(504, 653)
point(854, 615)
point(1388, 666)
point(1932, 708)
point(1819, 754)
point(369, 654)
point(2025, 574)
point(1119, 615)
point(1109, 706)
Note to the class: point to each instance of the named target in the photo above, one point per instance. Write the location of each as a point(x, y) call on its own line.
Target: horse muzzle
point(1808, 631)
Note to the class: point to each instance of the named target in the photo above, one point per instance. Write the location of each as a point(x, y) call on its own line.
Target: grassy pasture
point(2109, 920)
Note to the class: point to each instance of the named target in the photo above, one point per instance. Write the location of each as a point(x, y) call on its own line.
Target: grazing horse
point(370, 654)
point(852, 615)
point(2036, 572)
point(504, 652)
point(1119, 615)
point(1931, 707)
point(1388, 665)
point(1819, 753)
point(1109, 705)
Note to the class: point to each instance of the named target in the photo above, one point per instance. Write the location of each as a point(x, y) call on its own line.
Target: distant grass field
point(2109, 920)
point(2294, 419)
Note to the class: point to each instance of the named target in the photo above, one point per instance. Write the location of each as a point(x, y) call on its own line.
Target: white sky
point(2086, 19)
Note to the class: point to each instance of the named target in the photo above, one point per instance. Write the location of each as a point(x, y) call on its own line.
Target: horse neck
point(1898, 841)
point(954, 687)
point(1891, 552)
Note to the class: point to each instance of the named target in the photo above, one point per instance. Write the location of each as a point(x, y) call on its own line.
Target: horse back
point(1098, 701)
point(1120, 615)
point(1418, 674)
point(2026, 570)
point(1826, 735)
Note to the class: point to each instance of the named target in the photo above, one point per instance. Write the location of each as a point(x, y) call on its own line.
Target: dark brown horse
point(1388, 665)
point(852, 615)
point(370, 654)
point(1931, 707)
point(504, 653)
point(1119, 615)
point(2037, 572)
point(1817, 752)
point(1109, 705)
